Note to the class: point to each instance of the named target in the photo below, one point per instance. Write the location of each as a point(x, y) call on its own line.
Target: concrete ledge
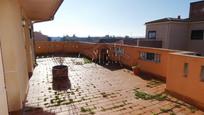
point(186, 99)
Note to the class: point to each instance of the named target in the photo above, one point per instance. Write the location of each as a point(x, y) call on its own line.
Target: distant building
point(38, 36)
point(56, 39)
point(180, 34)
point(134, 42)
point(110, 40)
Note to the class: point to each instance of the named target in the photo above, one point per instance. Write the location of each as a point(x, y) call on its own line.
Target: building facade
point(180, 34)
point(16, 49)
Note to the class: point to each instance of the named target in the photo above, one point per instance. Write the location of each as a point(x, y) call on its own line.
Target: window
point(197, 35)
point(152, 35)
point(119, 51)
point(202, 73)
point(157, 58)
point(185, 70)
point(150, 57)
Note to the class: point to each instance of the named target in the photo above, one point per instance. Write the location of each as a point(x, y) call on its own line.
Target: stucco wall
point(129, 58)
point(162, 32)
point(14, 53)
point(174, 35)
point(190, 87)
point(178, 36)
point(28, 43)
point(196, 11)
point(196, 45)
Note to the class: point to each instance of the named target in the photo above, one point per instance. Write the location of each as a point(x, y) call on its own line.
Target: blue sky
point(110, 17)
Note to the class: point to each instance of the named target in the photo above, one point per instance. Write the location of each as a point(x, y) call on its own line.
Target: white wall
point(3, 96)
point(14, 53)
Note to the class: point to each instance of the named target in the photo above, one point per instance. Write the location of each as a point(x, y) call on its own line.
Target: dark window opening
point(197, 35)
point(152, 35)
point(150, 56)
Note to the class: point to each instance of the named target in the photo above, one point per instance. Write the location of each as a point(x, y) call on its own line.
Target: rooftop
point(198, 2)
point(96, 89)
point(168, 20)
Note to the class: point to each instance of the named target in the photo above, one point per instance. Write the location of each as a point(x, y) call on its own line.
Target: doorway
point(104, 56)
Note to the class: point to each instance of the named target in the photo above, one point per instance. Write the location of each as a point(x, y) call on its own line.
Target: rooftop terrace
point(95, 89)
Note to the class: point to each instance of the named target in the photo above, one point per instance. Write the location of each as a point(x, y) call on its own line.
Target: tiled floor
point(98, 90)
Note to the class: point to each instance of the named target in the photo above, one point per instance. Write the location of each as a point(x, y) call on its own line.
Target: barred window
point(119, 51)
point(150, 57)
point(152, 35)
point(197, 35)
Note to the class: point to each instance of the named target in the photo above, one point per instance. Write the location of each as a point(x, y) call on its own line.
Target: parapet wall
point(130, 56)
point(185, 78)
point(184, 74)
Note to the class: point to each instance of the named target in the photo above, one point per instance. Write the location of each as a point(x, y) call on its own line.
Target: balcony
point(94, 89)
point(108, 88)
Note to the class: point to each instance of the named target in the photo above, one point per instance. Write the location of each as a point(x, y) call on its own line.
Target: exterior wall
point(28, 43)
point(196, 45)
point(129, 58)
point(170, 67)
point(196, 11)
point(178, 35)
point(190, 87)
point(172, 34)
point(162, 32)
point(3, 96)
point(13, 53)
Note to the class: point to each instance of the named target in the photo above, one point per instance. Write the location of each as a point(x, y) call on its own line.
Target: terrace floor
point(94, 89)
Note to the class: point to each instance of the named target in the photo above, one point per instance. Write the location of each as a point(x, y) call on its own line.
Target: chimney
point(179, 17)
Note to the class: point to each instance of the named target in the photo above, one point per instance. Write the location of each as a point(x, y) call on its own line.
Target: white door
point(3, 97)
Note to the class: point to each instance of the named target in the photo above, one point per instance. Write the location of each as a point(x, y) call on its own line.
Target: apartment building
point(178, 33)
point(16, 49)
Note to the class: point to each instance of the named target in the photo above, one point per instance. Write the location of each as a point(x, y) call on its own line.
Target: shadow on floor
point(61, 84)
point(113, 66)
point(149, 77)
point(36, 111)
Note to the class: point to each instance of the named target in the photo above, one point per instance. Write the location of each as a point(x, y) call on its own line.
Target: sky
point(110, 17)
